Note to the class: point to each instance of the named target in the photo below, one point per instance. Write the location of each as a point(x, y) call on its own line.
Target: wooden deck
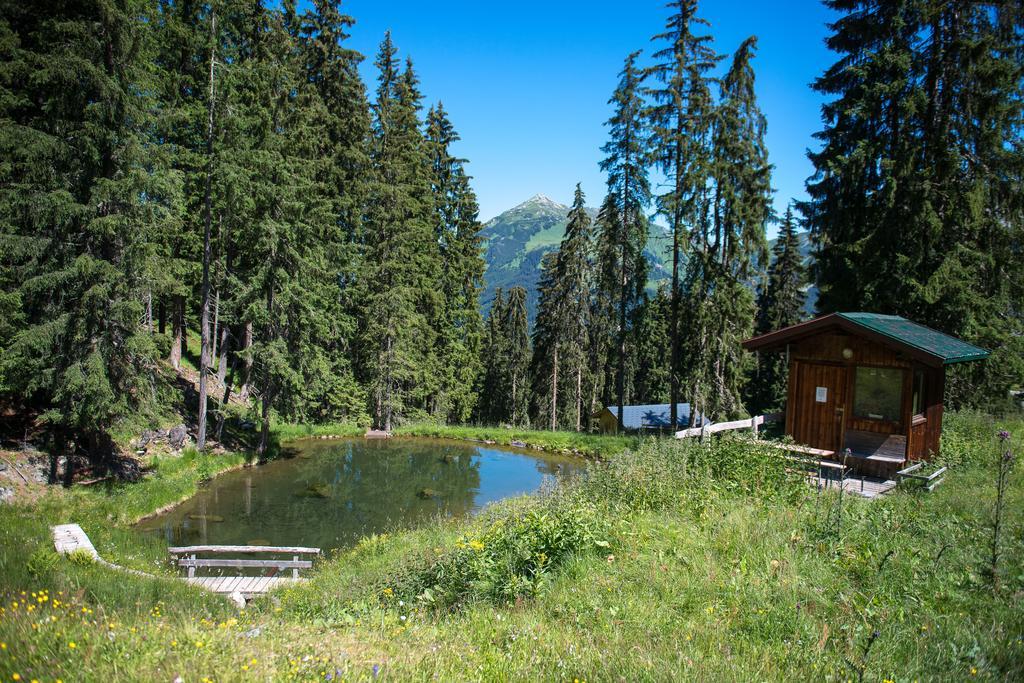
point(867, 487)
point(246, 586)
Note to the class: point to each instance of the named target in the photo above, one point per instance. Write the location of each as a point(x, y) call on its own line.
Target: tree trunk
point(247, 368)
point(388, 346)
point(149, 311)
point(673, 361)
point(620, 378)
point(222, 413)
point(204, 353)
point(554, 391)
point(261, 450)
point(579, 398)
point(214, 347)
point(225, 349)
point(177, 332)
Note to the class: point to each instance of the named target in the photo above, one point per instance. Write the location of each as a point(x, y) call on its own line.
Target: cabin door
point(817, 405)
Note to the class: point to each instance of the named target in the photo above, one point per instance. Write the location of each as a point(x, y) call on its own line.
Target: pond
point(332, 493)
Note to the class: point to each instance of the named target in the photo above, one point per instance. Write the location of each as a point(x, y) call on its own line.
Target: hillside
point(517, 240)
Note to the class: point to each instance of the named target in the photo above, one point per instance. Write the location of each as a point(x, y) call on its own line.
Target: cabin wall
point(826, 349)
point(608, 422)
point(926, 428)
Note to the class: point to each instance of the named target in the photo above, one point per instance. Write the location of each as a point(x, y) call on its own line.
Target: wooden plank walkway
point(247, 586)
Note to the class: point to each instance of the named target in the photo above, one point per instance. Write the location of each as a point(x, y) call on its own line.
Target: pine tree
point(911, 208)
point(629, 190)
point(517, 359)
point(490, 388)
point(780, 304)
point(729, 237)
point(83, 192)
point(401, 255)
point(561, 332)
point(343, 167)
point(459, 323)
point(653, 346)
point(681, 114)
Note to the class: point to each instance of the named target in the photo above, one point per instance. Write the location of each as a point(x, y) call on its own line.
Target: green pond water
point(334, 492)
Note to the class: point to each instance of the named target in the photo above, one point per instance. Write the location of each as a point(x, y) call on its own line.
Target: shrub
point(511, 557)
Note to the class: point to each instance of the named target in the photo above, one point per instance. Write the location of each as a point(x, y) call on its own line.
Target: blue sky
point(526, 83)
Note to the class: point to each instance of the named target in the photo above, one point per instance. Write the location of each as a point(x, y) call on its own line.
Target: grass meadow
point(671, 561)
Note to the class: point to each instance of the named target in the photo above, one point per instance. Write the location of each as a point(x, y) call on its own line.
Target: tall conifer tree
point(681, 114)
point(629, 190)
point(83, 192)
point(561, 332)
point(459, 323)
point(913, 204)
point(401, 254)
point(780, 304)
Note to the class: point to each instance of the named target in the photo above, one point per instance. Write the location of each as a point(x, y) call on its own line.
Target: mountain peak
point(542, 199)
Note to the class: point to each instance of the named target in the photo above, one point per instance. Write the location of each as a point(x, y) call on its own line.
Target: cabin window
point(877, 393)
point(918, 401)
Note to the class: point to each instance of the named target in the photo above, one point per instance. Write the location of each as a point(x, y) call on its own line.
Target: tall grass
point(674, 561)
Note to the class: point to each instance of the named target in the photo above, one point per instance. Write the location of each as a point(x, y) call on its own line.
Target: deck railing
point(713, 428)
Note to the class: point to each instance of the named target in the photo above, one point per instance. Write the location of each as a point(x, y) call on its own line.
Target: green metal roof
point(948, 349)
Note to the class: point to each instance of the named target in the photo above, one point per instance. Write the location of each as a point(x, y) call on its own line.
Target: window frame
point(900, 375)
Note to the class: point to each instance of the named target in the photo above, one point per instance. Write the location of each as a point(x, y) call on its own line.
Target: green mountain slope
point(516, 241)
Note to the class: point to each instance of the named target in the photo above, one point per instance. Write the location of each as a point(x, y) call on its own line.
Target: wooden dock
point(71, 538)
point(241, 587)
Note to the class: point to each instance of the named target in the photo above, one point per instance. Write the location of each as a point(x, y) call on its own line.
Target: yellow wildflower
point(72, 645)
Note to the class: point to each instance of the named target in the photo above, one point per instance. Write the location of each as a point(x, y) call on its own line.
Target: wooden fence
point(753, 423)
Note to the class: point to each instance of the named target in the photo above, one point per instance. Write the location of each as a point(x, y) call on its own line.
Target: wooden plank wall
point(922, 434)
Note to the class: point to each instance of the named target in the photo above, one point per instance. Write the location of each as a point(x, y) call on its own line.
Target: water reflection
point(334, 492)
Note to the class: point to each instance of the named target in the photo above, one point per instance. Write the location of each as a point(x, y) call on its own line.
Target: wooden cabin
point(866, 382)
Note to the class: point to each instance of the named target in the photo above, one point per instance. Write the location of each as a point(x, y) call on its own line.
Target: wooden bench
point(245, 586)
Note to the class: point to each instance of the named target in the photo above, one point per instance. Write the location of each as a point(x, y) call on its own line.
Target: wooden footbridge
point(249, 576)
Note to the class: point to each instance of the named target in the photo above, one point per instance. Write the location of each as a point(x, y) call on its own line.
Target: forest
point(173, 169)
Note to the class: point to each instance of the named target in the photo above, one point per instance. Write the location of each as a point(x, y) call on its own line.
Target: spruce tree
point(517, 357)
point(343, 164)
point(84, 190)
point(912, 206)
point(400, 260)
point(490, 387)
point(561, 332)
point(653, 346)
point(457, 228)
point(629, 190)
point(680, 114)
point(780, 304)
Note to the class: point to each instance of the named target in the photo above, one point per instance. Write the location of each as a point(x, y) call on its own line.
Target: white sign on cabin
point(821, 394)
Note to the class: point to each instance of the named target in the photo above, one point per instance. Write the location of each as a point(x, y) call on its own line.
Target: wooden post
point(192, 567)
point(295, 570)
